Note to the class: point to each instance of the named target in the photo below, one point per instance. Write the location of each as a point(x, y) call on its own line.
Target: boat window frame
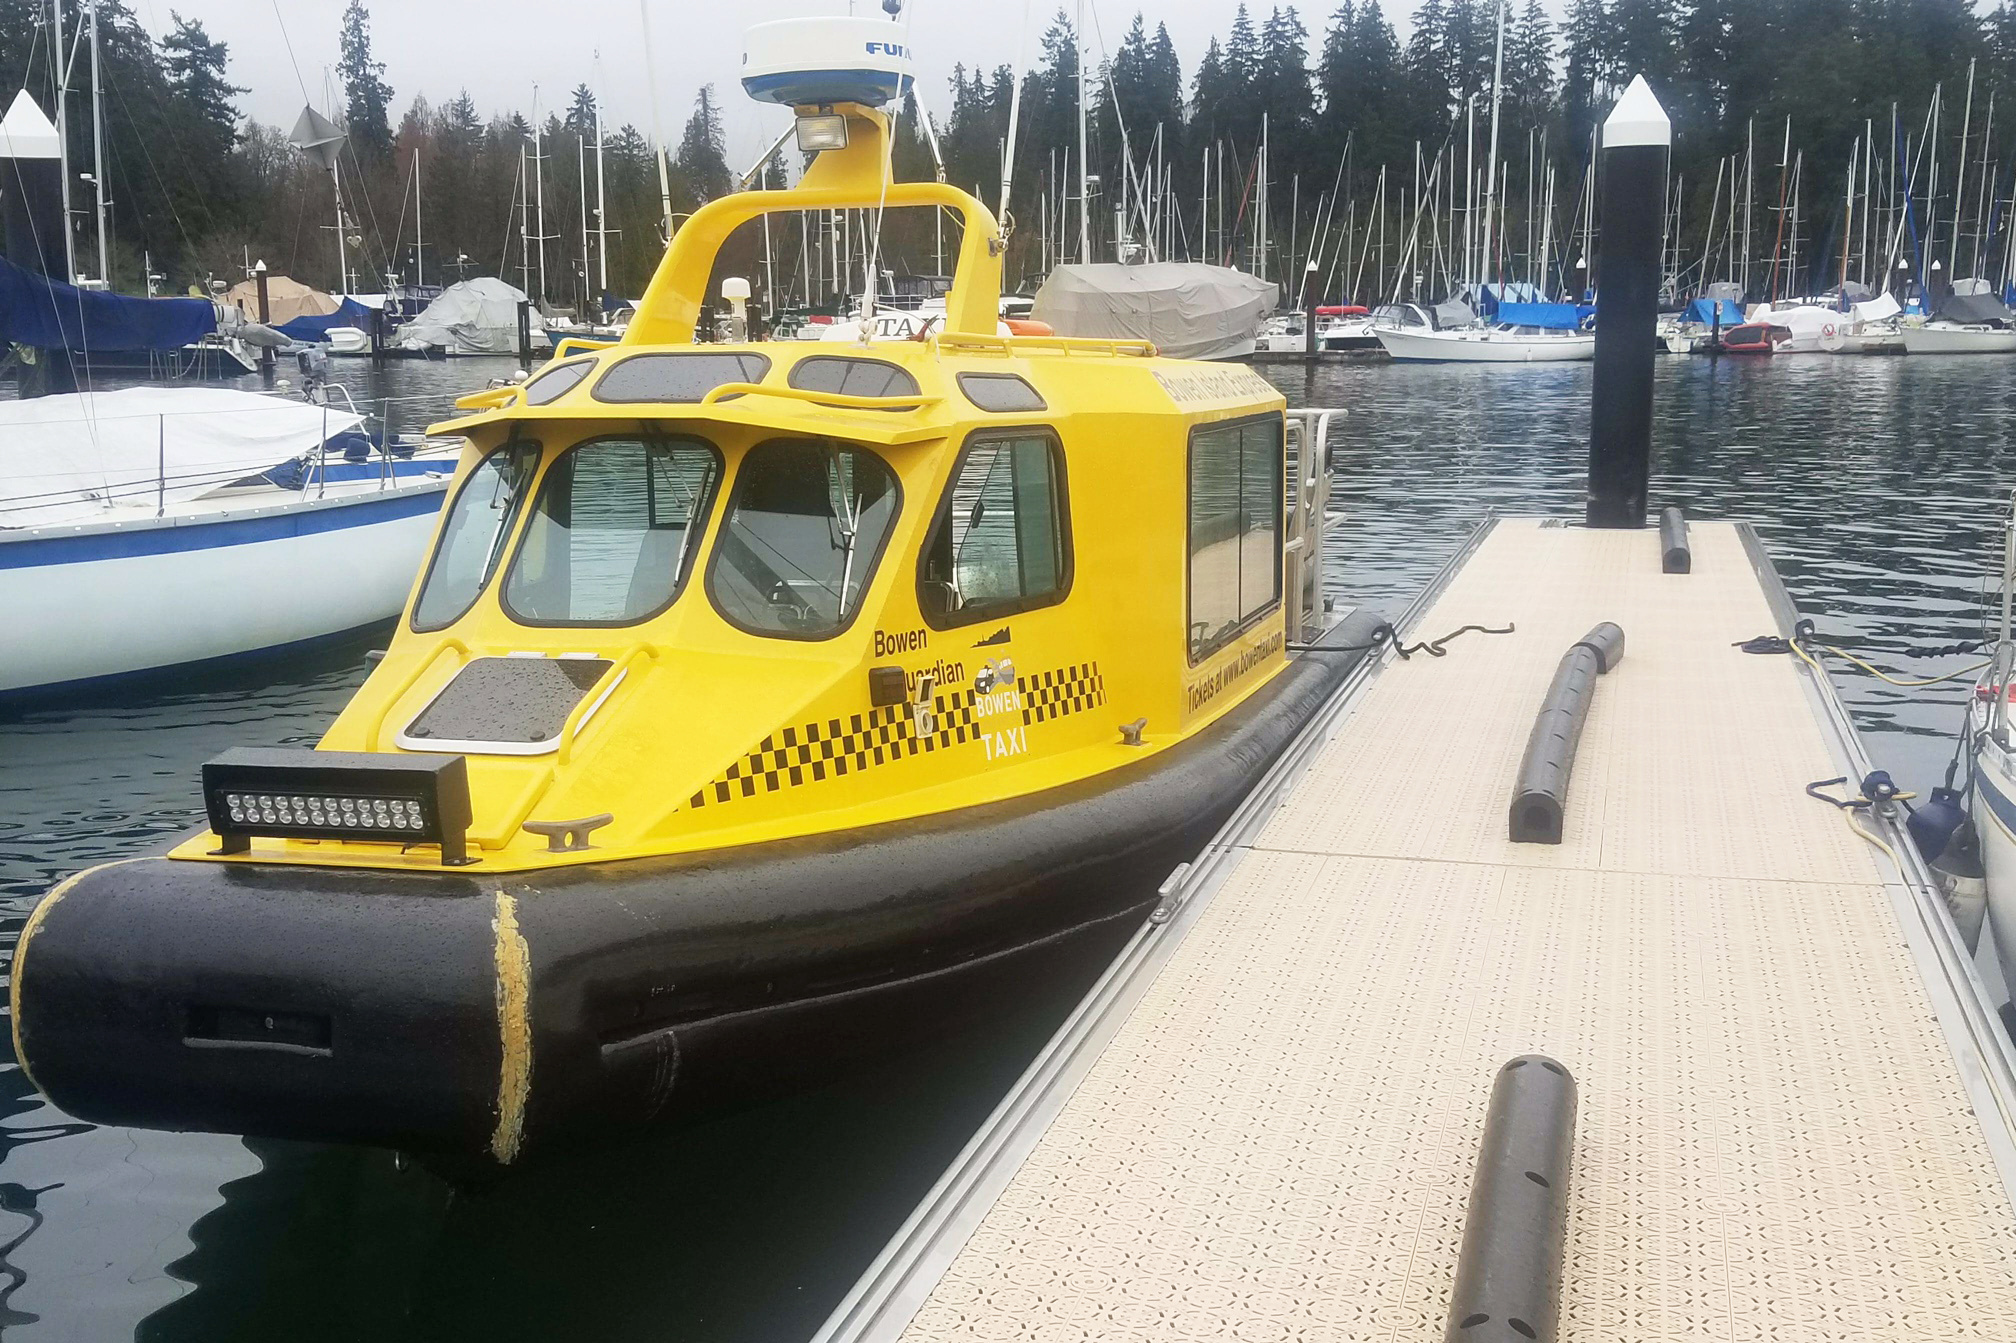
point(703, 518)
point(1198, 657)
point(733, 494)
point(507, 550)
point(822, 357)
point(941, 517)
point(581, 366)
point(613, 365)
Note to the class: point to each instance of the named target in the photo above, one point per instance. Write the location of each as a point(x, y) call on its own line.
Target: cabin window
point(1003, 393)
point(852, 377)
point(556, 380)
point(678, 377)
point(802, 538)
point(1001, 543)
point(613, 534)
point(1235, 528)
point(474, 533)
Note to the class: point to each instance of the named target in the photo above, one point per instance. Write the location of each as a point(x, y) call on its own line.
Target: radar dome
point(805, 62)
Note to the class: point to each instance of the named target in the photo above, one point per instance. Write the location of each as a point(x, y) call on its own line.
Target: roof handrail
point(839, 400)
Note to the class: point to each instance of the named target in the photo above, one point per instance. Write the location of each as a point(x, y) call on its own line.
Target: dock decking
point(1796, 1116)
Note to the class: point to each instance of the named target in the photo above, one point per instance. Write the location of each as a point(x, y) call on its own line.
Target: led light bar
point(301, 794)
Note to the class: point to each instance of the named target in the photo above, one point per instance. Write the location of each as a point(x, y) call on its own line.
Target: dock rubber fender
point(492, 1015)
point(1540, 794)
point(1676, 555)
point(1508, 1273)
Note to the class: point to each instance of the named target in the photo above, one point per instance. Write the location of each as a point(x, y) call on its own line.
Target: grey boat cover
point(1724, 289)
point(1190, 311)
point(1452, 313)
point(478, 316)
point(1973, 308)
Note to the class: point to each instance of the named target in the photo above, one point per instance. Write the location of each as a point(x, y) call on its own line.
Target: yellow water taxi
point(757, 703)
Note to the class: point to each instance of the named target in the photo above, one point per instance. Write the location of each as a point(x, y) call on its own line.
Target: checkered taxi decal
point(837, 747)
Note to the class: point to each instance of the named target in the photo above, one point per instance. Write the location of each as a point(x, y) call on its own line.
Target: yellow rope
point(1877, 840)
point(1882, 675)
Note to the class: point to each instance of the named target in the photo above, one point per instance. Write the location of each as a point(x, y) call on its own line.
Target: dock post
point(525, 335)
point(1309, 300)
point(265, 319)
point(1636, 138)
point(33, 229)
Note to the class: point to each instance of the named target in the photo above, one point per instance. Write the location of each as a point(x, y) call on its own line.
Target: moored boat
point(1973, 322)
point(159, 526)
point(758, 704)
point(1488, 345)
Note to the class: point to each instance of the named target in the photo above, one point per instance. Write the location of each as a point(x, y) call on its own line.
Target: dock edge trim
point(1982, 1052)
point(902, 1277)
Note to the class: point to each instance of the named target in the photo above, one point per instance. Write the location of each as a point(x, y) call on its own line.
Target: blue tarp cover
point(51, 315)
point(1702, 310)
point(350, 313)
point(1555, 316)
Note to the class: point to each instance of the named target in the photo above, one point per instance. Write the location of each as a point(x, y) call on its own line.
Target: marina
point(932, 775)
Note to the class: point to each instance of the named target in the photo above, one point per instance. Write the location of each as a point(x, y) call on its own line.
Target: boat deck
point(1797, 1120)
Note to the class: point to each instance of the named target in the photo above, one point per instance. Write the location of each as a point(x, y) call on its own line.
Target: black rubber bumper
point(492, 1016)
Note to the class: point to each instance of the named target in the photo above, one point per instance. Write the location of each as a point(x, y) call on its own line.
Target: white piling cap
point(1637, 119)
point(25, 133)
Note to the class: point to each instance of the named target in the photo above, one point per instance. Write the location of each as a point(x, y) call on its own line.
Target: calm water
point(1876, 483)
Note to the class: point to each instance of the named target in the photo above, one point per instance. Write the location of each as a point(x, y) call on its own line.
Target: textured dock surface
point(1776, 1138)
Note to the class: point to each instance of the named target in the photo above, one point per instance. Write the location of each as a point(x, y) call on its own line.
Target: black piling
point(265, 319)
point(378, 334)
point(1540, 794)
point(1636, 138)
point(1508, 1274)
point(525, 335)
point(1309, 297)
point(31, 206)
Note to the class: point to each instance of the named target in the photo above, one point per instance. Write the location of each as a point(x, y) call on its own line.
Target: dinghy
point(758, 706)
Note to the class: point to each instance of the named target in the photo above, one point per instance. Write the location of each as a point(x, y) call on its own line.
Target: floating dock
point(1797, 1113)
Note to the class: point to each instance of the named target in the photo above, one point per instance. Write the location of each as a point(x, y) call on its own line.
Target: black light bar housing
point(355, 795)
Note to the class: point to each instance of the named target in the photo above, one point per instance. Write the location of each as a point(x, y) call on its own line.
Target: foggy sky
point(498, 49)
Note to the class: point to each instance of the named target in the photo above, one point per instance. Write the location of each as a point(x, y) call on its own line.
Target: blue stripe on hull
point(1999, 804)
point(368, 511)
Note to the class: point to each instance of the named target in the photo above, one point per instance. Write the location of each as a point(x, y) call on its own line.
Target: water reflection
point(1876, 483)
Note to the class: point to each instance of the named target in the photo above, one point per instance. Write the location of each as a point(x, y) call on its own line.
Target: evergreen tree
point(1282, 91)
point(702, 162)
point(367, 95)
point(195, 64)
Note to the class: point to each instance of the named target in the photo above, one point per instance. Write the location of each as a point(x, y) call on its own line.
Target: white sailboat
point(1971, 320)
point(1551, 332)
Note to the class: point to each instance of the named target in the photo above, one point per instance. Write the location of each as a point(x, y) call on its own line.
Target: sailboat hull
point(1934, 338)
point(1485, 347)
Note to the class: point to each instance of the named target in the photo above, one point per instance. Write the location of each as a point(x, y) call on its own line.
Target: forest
point(196, 188)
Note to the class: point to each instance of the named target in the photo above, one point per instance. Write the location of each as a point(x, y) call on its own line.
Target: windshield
point(802, 537)
point(472, 538)
point(612, 536)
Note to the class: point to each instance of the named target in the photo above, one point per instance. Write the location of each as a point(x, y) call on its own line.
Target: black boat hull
point(495, 1016)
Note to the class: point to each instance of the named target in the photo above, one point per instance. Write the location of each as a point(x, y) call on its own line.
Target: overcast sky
point(498, 49)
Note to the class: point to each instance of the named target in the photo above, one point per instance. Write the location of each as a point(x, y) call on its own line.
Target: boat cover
point(348, 313)
point(1970, 308)
point(1878, 309)
point(1451, 313)
point(1189, 311)
point(1550, 316)
point(1803, 320)
point(51, 315)
point(478, 316)
point(66, 459)
point(286, 299)
point(1705, 311)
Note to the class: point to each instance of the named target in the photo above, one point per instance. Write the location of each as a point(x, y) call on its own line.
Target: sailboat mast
point(419, 244)
point(62, 68)
point(1084, 202)
point(1960, 176)
point(538, 189)
point(98, 153)
point(1749, 193)
point(1985, 199)
point(601, 211)
point(1491, 163)
point(524, 225)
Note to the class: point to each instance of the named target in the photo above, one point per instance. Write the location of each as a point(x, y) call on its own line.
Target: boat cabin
point(689, 596)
